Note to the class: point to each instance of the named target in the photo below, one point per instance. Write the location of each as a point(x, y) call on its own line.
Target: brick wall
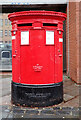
point(73, 37)
point(80, 42)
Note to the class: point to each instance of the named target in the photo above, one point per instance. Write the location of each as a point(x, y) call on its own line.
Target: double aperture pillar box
point(37, 57)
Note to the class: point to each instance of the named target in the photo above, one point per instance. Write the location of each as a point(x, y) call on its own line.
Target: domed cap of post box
point(37, 14)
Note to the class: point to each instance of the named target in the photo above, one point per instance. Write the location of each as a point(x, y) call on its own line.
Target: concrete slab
point(67, 97)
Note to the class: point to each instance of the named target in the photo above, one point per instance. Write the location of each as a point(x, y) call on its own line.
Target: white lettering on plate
point(13, 37)
point(49, 37)
point(60, 39)
point(25, 38)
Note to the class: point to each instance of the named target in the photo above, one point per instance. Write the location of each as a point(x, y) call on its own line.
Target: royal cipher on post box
point(37, 57)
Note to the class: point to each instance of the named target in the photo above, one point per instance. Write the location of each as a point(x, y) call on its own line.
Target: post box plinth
point(37, 96)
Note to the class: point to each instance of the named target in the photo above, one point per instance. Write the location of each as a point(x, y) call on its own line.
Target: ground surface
point(69, 108)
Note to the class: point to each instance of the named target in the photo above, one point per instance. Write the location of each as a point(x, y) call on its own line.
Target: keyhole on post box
point(15, 51)
point(58, 50)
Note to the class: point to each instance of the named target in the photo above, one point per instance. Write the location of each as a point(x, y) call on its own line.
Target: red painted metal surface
point(36, 62)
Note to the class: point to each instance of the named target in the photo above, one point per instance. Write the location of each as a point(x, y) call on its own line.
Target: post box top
point(35, 13)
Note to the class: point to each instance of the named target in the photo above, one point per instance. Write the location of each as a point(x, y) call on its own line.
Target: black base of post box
point(37, 95)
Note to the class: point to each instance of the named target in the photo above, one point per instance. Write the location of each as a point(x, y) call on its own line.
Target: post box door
point(37, 56)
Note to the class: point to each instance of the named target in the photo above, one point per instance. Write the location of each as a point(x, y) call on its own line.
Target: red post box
point(37, 57)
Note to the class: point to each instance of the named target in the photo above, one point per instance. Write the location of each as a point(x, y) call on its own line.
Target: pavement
point(70, 108)
point(6, 64)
